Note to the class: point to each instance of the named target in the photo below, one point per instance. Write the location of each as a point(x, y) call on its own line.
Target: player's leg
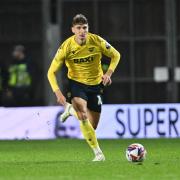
point(93, 117)
point(70, 111)
point(73, 89)
point(80, 105)
point(94, 105)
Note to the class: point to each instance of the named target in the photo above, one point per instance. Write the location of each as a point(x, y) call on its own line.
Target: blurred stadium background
point(142, 102)
point(146, 32)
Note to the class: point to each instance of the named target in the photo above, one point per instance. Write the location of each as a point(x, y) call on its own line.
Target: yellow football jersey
point(83, 62)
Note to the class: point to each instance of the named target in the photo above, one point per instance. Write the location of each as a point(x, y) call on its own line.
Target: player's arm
point(114, 55)
point(54, 67)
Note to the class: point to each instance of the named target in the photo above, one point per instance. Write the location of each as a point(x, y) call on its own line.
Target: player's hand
point(106, 80)
point(60, 98)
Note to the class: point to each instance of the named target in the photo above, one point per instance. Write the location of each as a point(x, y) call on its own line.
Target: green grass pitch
point(71, 159)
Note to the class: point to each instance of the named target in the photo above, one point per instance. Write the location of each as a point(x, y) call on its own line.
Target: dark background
point(146, 33)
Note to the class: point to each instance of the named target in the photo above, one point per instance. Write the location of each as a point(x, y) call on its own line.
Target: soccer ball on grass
point(136, 152)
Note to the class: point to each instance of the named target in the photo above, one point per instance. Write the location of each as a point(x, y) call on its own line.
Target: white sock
point(97, 150)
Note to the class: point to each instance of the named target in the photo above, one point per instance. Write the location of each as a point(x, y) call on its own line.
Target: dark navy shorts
point(91, 93)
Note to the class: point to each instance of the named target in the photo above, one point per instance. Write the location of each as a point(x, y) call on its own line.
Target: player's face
point(80, 31)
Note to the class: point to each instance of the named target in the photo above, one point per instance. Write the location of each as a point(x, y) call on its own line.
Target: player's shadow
point(156, 163)
point(139, 163)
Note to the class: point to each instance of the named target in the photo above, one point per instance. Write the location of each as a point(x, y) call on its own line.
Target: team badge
point(73, 52)
point(91, 49)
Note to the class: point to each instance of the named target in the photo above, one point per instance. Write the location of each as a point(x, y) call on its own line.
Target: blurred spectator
point(19, 86)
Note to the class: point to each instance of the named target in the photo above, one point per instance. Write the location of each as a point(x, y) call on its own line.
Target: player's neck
point(80, 42)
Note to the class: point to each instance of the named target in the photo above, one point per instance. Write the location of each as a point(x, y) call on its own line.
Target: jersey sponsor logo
point(84, 60)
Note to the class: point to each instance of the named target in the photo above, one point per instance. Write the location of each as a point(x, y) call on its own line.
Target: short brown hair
point(79, 19)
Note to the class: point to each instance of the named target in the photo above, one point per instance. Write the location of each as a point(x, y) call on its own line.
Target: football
point(136, 152)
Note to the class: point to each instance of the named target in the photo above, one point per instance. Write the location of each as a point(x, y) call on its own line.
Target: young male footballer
point(82, 55)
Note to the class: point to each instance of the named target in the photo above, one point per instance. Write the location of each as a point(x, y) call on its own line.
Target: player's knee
point(82, 115)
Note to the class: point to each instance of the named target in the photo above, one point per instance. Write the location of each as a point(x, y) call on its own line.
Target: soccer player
point(82, 55)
